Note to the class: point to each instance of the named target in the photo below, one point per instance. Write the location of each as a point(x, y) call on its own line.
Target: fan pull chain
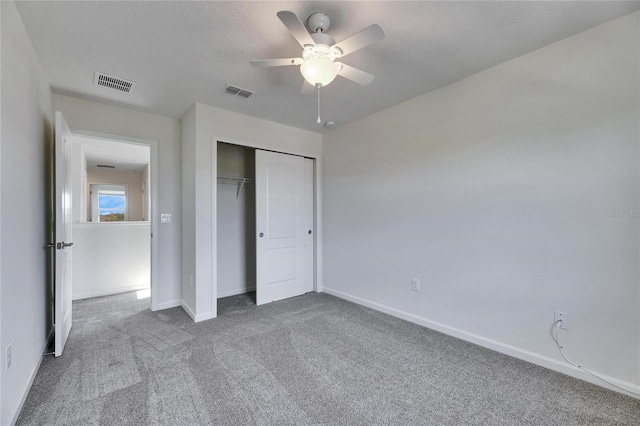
point(318, 86)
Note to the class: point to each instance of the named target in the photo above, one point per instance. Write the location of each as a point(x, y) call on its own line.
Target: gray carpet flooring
point(309, 360)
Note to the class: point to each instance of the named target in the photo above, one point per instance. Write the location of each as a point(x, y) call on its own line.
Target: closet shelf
point(235, 181)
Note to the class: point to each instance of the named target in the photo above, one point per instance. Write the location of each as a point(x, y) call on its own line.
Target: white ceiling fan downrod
point(318, 85)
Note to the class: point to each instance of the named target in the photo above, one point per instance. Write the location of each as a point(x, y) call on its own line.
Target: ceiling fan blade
point(354, 74)
point(296, 27)
point(261, 63)
point(361, 39)
point(307, 88)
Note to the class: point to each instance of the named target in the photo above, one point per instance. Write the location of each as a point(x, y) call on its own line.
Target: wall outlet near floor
point(415, 284)
point(165, 218)
point(563, 317)
point(8, 356)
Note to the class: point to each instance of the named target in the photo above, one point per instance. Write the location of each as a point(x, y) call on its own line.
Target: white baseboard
point(167, 305)
point(188, 310)
point(198, 317)
point(109, 292)
point(32, 377)
point(504, 348)
point(235, 292)
point(204, 317)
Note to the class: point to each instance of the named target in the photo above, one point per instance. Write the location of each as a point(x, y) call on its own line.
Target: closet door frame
point(317, 222)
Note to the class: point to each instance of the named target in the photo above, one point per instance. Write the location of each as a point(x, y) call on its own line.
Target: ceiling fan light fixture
point(320, 50)
point(319, 70)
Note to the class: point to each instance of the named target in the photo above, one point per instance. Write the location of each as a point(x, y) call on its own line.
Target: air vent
point(106, 166)
point(237, 91)
point(112, 82)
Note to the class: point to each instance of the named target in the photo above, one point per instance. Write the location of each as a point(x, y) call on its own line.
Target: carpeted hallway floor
point(309, 360)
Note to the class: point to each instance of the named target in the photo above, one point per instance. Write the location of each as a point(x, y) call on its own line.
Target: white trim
point(91, 294)
point(194, 317)
point(129, 223)
point(214, 226)
point(153, 189)
point(236, 292)
point(31, 379)
point(170, 304)
point(188, 310)
point(513, 351)
point(204, 317)
point(47, 254)
point(318, 224)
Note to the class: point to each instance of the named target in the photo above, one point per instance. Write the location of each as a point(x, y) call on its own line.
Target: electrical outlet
point(165, 218)
point(415, 284)
point(563, 317)
point(8, 356)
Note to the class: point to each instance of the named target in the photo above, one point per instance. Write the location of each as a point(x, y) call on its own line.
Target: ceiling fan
point(319, 51)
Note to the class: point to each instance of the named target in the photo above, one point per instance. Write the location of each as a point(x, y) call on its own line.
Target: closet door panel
point(282, 234)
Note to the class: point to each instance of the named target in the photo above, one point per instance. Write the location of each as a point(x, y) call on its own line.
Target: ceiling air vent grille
point(237, 91)
point(114, 83)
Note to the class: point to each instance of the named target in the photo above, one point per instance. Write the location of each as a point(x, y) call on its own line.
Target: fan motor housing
point(318, 22)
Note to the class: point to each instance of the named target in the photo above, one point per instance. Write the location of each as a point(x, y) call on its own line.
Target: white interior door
point(284, 231)
point(63, 312)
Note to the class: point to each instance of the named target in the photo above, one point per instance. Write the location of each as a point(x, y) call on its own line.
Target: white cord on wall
point(557, 340)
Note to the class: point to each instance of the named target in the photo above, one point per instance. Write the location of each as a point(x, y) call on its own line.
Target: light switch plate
point(165, 218)
point(415, 284)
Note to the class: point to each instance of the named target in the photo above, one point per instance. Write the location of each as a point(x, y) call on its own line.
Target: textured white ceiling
point(179, 53)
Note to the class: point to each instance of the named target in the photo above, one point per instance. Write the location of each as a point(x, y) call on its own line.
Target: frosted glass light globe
point(319, 70)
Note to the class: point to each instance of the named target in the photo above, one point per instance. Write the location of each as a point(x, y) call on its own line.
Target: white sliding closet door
point(284, 226)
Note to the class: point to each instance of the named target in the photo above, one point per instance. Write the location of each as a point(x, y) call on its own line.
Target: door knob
point(261, 235)
point(309, 231)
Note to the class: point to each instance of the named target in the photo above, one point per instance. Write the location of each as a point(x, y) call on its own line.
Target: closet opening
point(265, 221)
point(236, 225)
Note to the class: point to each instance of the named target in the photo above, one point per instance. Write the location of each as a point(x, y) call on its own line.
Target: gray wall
point(26, 135)
point(510, 194)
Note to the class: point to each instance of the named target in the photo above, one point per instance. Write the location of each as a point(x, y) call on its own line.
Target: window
point(108, 203)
